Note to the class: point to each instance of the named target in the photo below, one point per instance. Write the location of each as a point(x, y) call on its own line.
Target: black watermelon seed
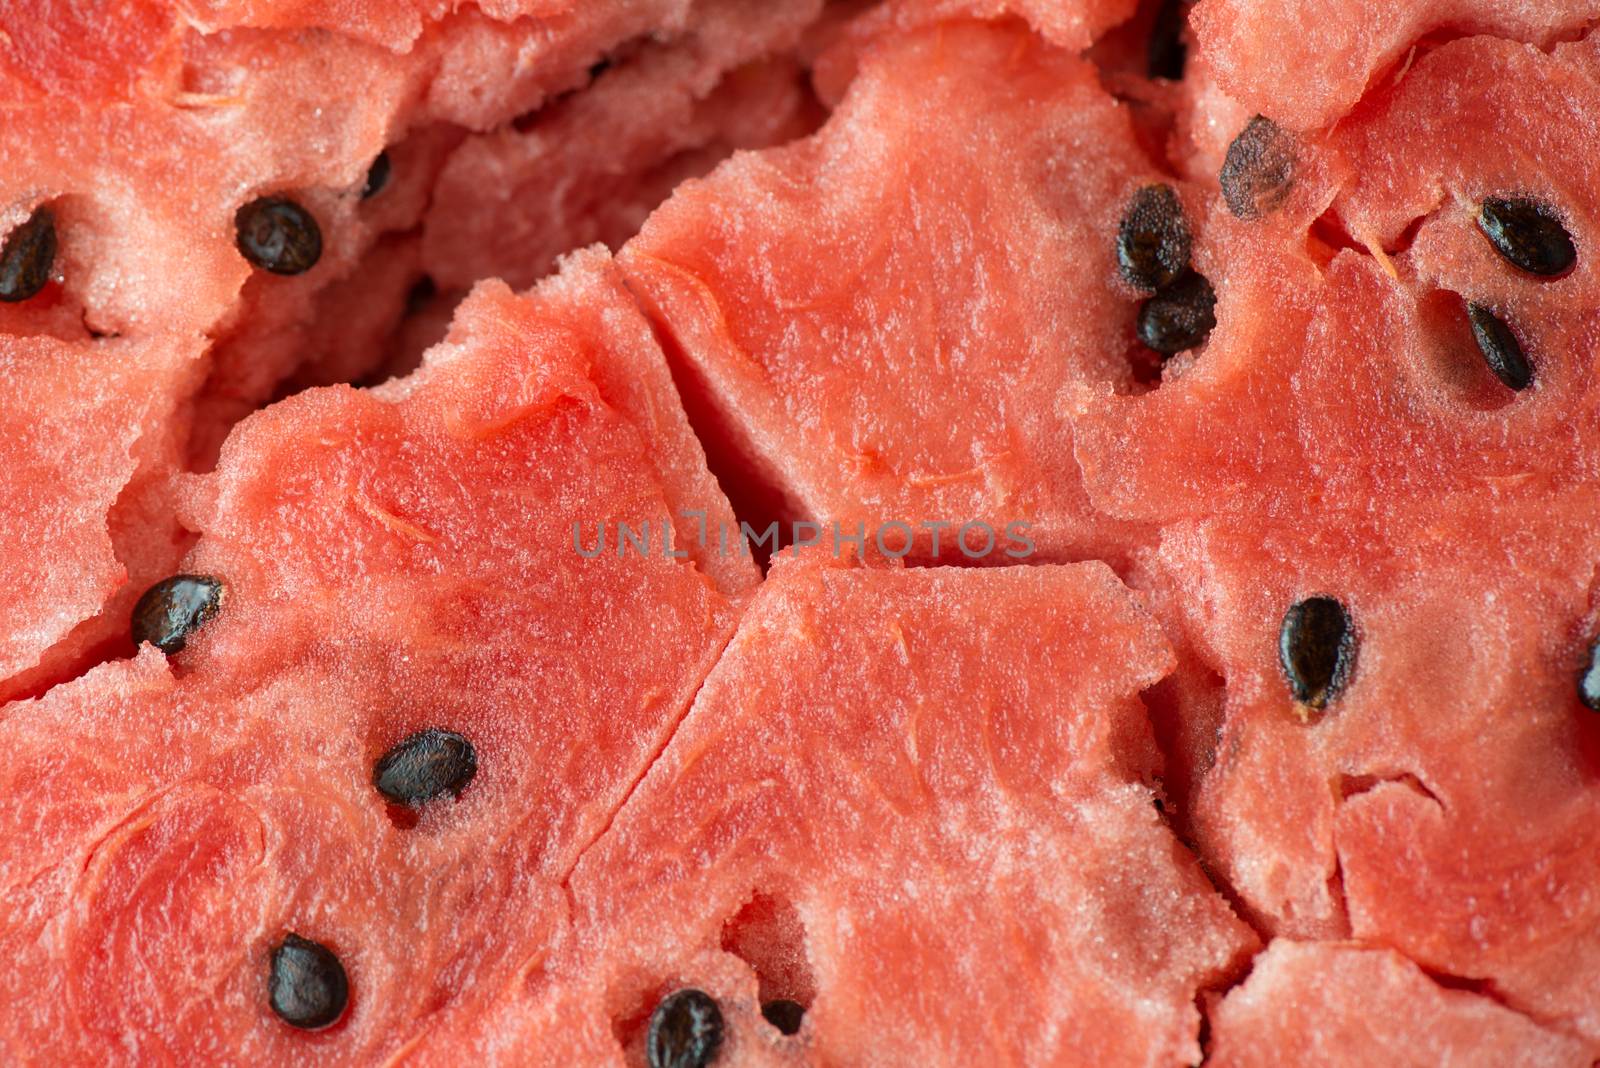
point(27, 257)
point(784, 1014)
point(1500, 348)
point(426, 765)
point(1153, 238)
point(1179, 317)
point(308, 987)
point(1258, 169)
point(173, 609)
point(1589, 681)
point(278, 235)
point(685, 1031)
point(1316, 647)
point(1167, 54)
point(1528, 234)
point(377, 176)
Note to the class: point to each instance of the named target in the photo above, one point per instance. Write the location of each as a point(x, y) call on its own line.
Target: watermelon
point(242, 771)
point(798, 364)
point(395, 387)
point(1329, 1003)
point(871, 794)
point(1280, 59)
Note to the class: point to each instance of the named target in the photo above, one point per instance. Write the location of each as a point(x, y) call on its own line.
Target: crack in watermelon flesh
point(1058, 812)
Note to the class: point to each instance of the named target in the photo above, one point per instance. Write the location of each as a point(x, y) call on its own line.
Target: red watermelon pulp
point(830, 532)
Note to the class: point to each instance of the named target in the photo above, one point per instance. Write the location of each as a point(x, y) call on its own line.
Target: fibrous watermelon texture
point(1277, 744)
point(391, 562)
point(875, 793)
point(866, 376)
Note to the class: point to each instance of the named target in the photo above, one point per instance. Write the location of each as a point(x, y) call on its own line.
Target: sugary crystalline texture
point(142, 129)
point(65, 548)
point(1290, 61)
point(1339, 1006)
point(891, 777)
point(1443, 803)
point(393, 561)
point(887, 320)
point(1347, 377)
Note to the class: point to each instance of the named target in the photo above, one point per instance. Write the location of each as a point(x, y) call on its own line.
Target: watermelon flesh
point(1326, 1003)
point(340, 504)
point(868, 733)
point(149, 172)
point(73, 495)
point(794, 332)
point(1331, 370)
point(1285, 60)
point(885, 794)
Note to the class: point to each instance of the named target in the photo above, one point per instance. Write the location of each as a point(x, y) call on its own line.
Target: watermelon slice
point(380, 554)
point(885, 323)
point(891, 777)
point(1331, 1004)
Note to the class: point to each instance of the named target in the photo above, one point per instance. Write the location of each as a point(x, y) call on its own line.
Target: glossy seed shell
point(1529, 234)
point(685, 1031)
point(1153, 239)
point(1316, 647)
point(377, 176)
point(424, 766)
point(1179, 317)
point(307, 985)
point(784, 1014)
point(1589, 679)
point(1258, 171)
point(27, 257)
point(278, 235)
point(173, 609)
point(1500, 348)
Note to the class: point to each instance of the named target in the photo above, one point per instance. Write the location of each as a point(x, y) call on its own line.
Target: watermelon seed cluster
point(27, 257)
point(307, 986)
point(1317, 647)
point(1153, 248)
point(278, 235)
point(685, 1030)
